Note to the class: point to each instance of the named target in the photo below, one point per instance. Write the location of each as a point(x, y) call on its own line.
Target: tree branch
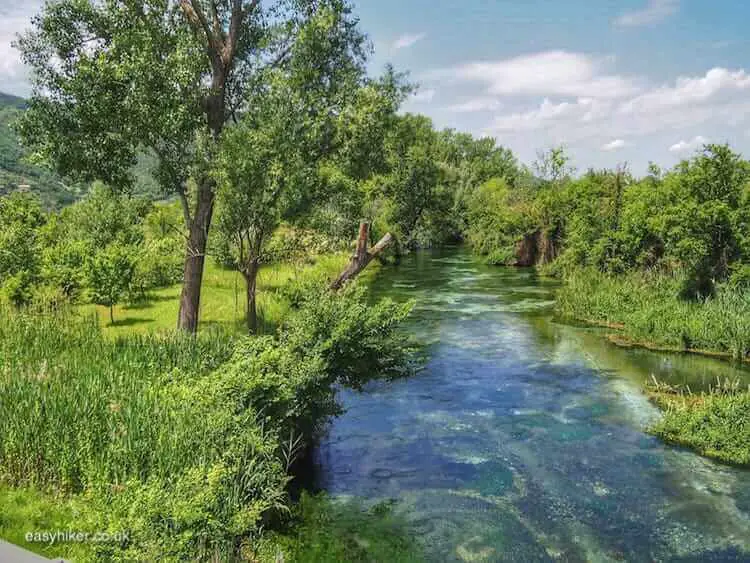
point(235, 25)
point(185, 207)
point(216, 21)
point(195, 15)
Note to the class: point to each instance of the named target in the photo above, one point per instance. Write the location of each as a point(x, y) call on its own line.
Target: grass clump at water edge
point(715, 423)
point(647, 309)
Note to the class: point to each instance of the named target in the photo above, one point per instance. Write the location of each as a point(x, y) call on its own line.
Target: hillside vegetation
point(16, 173)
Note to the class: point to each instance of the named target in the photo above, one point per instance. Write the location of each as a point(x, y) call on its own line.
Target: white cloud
point(719, 97)
point(547, 73)
point(615, 145)
point(536, 118)
point(691, 91)
point(424, 95)
point(408, 40)
point(14, 19)
point(476, 105)
point(654, 12)
point(689, 146)
point(549, 114)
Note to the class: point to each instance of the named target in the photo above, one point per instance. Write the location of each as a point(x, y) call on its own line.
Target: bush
point(498, 220)
point(185, 443)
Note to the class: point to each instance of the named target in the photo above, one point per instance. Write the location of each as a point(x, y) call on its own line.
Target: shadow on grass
point(149, 302)
point(228, 325)
point(132, 321)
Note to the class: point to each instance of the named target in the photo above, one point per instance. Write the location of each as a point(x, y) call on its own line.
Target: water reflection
point(523, 440)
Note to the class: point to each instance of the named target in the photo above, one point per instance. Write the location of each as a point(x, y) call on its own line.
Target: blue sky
point(613, 80)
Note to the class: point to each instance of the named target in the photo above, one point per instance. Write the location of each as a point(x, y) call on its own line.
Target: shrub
point(185, 443)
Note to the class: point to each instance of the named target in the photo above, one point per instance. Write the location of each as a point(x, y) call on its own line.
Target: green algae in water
point(494, 479)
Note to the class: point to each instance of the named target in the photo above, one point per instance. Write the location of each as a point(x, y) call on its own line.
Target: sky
point(614, 81)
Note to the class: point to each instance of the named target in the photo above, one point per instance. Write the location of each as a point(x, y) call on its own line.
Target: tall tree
point(114, 78)
point(267, 168)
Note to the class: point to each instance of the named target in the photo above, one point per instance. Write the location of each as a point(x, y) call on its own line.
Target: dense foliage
point(106, 249)
point(186, 443)
point(689, 222)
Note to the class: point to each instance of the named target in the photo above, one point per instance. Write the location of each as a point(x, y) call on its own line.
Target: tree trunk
point(221, 47)
point(251, 277)
point(362, 257)
point(112, 314)
point(195, 258)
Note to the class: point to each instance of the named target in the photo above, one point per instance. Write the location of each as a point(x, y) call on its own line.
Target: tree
point(360, 154)
point(110, 272)
point(21, 219)
point(112, 79)
point(261, 174)
point(703, 229)
point(267, 168)
point(400, 198)
point(554, 166)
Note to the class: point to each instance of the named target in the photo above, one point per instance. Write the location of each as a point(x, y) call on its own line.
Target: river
point(524, 439)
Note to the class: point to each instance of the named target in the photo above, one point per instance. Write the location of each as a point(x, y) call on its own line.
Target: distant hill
point(7, 100)
point(16, 174)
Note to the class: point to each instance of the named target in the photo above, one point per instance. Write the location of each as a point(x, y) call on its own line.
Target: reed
point(650, 310)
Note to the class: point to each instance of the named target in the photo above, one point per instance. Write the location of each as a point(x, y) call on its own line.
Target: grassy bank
point(715, 423)
point(647, 309)
point(185, 444)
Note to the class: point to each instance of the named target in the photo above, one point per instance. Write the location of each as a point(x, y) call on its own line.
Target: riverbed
point(524, 439)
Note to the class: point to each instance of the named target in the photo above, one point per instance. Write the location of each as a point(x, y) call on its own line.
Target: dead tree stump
point(362, 256)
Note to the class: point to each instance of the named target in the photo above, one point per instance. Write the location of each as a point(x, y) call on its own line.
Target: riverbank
point(715, 424)
point(646, 312)
point(183, 448)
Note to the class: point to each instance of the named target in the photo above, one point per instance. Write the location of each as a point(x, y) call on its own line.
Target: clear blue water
point(523, 439)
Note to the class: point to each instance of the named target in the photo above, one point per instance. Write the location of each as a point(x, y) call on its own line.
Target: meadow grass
point(182, 440)
point(222, 299)
point(27, 510)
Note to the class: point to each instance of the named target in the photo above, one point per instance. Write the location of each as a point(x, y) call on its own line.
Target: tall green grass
point(77, 409)
point(651, 311)
point(185, 442)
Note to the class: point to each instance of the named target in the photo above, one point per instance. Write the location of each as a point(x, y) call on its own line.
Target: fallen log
point(362, 256)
